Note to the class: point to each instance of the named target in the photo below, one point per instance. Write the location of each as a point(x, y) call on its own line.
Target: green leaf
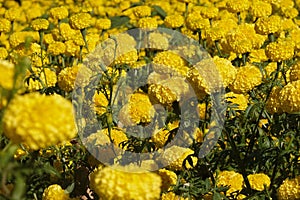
point(118, 21)
point(160, 11)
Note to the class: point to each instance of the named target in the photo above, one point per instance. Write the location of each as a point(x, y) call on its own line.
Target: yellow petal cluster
point(80, 20)
point(259, 181)
point(289, 189)
point(289, 97)
point(55, 192)
point(232, 179)
point(39, 121)
point(111, 183)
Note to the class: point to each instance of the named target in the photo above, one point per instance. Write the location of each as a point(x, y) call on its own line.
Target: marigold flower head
point(158, 41)
point(174, 156)
point(127, 58)
point(290, 13)
point(259, 181)
point(80, 20)
point(232, 179)
point(280, 50)
point(72, 49)
point(209, 12)
point(267, 25)
point(247, 78)
point(167, 62)
point(66, 78)
point(12, 13)
point(67, 32)
point(57, 48)
point(174, 21)
point(103, 23)
point(260, 9)
point(289, 97)
point(142, 11)
point(171, 196)
point(295, 72)
point(40, 78)
point(219, 29)
point(236, 6)
point(226, 70)
point(240, 99)
point(147, 22)
point(168, 177)
point(59, 12)
point(114, 184)
point(40, 24)
point(39, 121)
point(3, 53)
point(7, 71)
point(196, 22)
point(17, 38)
point(5, 25)
point(100, 102)
point(257, 55)
point(289, 189)
point(55, 192)
point(160, 137)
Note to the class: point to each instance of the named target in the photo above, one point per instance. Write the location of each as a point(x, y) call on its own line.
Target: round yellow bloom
point(174, 21)
point(247, 78)
point(80, 20)
point(236, 6)
point(172, 196)
point(72, 49)
point(39, 121)
point(55, 192)
point(66, 78)
point(7, 71)
point(56, 48)
point(167, 62)
point(226, 70)
point(119, 185)
point(103, 24)
point(220, 28)
point(101, 103)
point(239, 99)
point(17, 38)
point(41, 78)
point(5, 25)
point(127, 58)
point(168, 177)
point(196, 22)
point(40, 24)
point(147, 22)
point(13, 13)
point(267, 25)
point(142, 11)
point(289, 189)
point(259, 181)
point(260, 9)
point(161, 136)
point(280, 50)
point(59, 12)
point(209, 12)
point(174, 156)
point(158, 41)
point(289, 97)
point(295, 72)
point(232, 179)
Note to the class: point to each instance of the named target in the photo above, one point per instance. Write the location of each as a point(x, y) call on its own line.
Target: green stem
point(239, 18)
point(218, 48)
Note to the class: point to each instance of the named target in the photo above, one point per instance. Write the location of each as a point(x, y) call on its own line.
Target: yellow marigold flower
point(66, 78)
point(5, 25)
point(102, 137)
point(161, 136)
point(171, 196)
point(103, 24)
point(267, 25)
point(209, 12)
point(56, 48)
point(174, 156)
point(232, 179)
point(260, 9)
point(240, 99)
point(80, 20)
point(17, 38)
point(295, 37)
point(290, 12)
point(3, 53)
point(158, 41)
point(167, 62)
point(295, 72)
point(142, 11)
point(225, 69)
point(147, 22)
point(259, 181)
point(219, 29)
point(273, 102)
point(289, 97)
point(280, 50)
point(196, 22)
point(258, 55)
point(247, 78)
point(174, 21)
point(26, 120)
point(72, 49)
point(168, 177)
point(119, 185)
point(101, 103)
point(40, 24)
point(289, 189)
point(55, 192)
point(236, 6)
point(12, 13)
point(59, 12)
point(7, 71)
point(127, 58)
point(48, 38)
point(40, 79)
point(67, 32)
